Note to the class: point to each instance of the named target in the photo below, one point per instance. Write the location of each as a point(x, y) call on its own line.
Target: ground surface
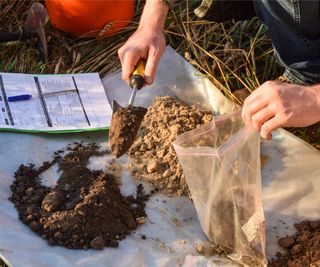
point(234, 56)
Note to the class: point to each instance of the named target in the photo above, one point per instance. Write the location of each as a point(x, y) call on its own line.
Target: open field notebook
point(53, 103)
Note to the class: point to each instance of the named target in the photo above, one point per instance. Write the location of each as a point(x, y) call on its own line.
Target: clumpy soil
point(153, 157)
point(302, 249)
point(124, 127)
point(84, 210)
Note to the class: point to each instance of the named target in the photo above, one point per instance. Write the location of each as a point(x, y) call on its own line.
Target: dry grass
point(232, 55)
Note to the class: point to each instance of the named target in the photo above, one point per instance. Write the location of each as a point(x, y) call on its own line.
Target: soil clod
point(286, 242)
point(97, 243)
point(201, 249)
point(52, 201)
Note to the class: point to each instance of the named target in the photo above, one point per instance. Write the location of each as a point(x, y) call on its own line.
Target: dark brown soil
point(124, 127)
point(84, 210)
point(302, 249)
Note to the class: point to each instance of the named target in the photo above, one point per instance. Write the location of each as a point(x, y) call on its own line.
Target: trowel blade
point(115, 106)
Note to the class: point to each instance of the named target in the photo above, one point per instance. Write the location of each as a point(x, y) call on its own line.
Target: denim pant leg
point(294, 28)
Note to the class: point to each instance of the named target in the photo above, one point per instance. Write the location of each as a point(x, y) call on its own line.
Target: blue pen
point(19, 98)
point(28, 96)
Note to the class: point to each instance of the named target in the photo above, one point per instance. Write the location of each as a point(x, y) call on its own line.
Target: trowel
point(126, 121)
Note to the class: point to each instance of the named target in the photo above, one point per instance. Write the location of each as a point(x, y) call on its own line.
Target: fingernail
point(148, 80)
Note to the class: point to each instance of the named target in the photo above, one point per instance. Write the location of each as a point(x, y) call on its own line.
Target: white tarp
point(291, 187)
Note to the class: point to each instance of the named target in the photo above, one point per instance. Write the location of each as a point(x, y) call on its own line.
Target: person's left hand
point(275, 104)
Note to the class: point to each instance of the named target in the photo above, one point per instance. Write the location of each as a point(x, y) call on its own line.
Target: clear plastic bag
point(221, 163)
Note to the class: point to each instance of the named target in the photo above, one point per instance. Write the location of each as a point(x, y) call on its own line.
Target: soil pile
point(84, 210)
point(124, 127)
point(153, 157)
point(302, 249)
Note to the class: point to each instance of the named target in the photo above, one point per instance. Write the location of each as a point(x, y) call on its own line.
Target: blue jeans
point(294, 27)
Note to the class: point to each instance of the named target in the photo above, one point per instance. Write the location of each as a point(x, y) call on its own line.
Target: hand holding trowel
point(126, 121)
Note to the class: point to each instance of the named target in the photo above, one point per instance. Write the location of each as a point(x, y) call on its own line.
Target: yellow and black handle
point(137, 77)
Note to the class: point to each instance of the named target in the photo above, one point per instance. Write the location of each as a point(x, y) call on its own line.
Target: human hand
point(275, 104)
point(145, 43)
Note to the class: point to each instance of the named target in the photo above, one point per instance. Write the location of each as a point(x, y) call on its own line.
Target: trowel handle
point(137, 77)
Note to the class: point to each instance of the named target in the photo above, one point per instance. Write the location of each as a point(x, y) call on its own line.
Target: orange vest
point(90, 18)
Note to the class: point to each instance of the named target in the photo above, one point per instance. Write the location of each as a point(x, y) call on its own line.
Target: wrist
point(154, 15)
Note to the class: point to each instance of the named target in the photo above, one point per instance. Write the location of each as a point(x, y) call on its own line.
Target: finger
point(120, 54)
point(269, 136)
point(261, 117)
point(269, 126)
point(130, 59)
point(249, 110)
point(252, 98)
point(259, 99)
point(151, 65)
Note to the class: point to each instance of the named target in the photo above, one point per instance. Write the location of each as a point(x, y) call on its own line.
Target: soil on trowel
point(85, 208)
point(152, 154)
point(302, 249)
point(124, 127)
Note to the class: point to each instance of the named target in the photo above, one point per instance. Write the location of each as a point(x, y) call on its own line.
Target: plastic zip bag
point(221, 163)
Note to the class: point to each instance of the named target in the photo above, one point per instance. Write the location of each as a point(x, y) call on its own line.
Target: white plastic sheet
point(291, 187)
point(172, 228)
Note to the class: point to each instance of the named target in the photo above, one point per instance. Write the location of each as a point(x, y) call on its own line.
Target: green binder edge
point(55, 131)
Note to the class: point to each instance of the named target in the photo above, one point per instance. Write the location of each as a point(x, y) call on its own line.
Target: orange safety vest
point(90, 18)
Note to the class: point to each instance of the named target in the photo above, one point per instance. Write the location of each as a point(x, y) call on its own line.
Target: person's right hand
point(146, 43)
point(275, 104)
